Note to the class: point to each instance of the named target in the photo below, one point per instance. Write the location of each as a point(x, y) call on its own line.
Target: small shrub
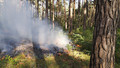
point(69, 47)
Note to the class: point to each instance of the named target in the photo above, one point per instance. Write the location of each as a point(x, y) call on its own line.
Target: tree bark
point(74, 8)
point(87, 7)
point(79, 13)
point(58, 11)
point(103, 52)
point(70, 16)
point(85, 15)
point(43, 10)
point(53, 15)
point(50, 11)
point(78, 7)
point(65, 15)
point(38, 9)
point(46, 9)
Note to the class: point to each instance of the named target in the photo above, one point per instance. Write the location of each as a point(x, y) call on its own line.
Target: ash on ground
point(28, 47)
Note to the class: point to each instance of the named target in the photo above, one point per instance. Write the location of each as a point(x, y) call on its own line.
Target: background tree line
point(66, 13)
point(102, 16)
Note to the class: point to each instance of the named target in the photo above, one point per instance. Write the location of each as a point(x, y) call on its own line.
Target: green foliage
point(117, 52)
point(69, 47)
point(117, 65)
point(77, 37)
point(8, 58)
point(7, 61)
point(87, 52)
point(53, 61)
point(83, 38)
point(88, 34)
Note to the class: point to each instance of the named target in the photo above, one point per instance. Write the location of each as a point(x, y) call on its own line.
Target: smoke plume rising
point(17, 23)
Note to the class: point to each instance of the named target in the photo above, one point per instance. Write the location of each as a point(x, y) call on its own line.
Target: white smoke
point(17, 22)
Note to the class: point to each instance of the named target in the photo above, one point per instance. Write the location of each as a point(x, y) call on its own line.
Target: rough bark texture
point(103, 54)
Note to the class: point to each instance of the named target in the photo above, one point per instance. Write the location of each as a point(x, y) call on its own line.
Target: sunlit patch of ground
point(51, 63)
point(79, 55)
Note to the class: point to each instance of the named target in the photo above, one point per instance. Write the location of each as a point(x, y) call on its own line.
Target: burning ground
point(17, 23)
point(27, 56)
point(27, 42)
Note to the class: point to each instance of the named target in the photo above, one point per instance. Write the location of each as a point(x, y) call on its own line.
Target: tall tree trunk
point(43, 10)
point(79, 12)
point(85, 15)
point(58, 12)
point(103, 52)
point(70, 16)
point(119, 16)
point(38, 9)
point(78, 7)
point(74, 8)
point(87, 7)
point(46, 9)
point(82, 2)
point(53, 14)
point(65, 15)
point(50, 11)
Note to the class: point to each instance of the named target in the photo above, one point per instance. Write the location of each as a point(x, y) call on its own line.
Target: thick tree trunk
point(70, 16)
point(103, 53)
point(65, 15)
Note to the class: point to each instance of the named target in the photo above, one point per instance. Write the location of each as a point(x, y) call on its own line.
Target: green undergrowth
point(77, 58)
point(53, 61)
point(83, 38)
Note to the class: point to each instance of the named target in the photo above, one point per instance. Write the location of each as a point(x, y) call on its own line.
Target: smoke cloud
point(17, 23)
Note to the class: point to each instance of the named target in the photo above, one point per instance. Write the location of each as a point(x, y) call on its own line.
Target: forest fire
point(21, 32)
point(59, 34)
point(26, 47)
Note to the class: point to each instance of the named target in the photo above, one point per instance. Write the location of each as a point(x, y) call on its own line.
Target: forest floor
point(74, 59)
